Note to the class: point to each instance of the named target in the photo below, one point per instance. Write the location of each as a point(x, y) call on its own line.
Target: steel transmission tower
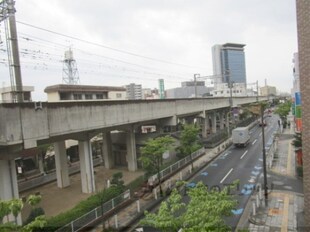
point(7, 14)
point(70, 74)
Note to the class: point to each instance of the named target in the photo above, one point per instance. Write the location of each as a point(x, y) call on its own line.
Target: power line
point(107, 47)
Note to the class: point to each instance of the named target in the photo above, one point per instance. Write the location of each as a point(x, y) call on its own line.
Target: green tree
point(4, 209)
point(33, 200)
point(152, 152)
point(204, 211)
point(16, 206)
point(283, 109)
point(189, 140)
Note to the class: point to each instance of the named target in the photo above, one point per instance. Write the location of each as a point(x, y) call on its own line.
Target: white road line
point(244, 154)
point(226, 176)
point(254, 141)
point(260, 134)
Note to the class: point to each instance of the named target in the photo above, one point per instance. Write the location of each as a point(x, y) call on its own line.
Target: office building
point(133, 91)
point(189, 89)
point(229, 63)
point(268, 91)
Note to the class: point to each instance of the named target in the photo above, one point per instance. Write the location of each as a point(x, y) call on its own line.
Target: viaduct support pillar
point(8, 185)
point(61, 163)
point(222, 117)
point(131, 151)
point(205, 125)
point(107, 150)
point(213, 118)
point(86, 166)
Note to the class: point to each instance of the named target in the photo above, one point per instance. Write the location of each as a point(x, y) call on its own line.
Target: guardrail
point(96, 213)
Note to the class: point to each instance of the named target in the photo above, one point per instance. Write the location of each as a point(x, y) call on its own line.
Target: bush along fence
point(97, 213)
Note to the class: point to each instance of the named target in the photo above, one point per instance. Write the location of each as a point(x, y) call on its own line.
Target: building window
point(99, 96)
point(221, 92)
point(64, 96)
point(118, 95)
point(77, 96)
point(227, 91)
point(88, 96)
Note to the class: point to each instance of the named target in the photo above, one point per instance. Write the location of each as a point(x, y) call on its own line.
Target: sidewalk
point(283, 211)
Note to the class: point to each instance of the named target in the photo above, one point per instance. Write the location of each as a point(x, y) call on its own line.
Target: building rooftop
point(81, 88)
point(9, 89)
point(234, 45)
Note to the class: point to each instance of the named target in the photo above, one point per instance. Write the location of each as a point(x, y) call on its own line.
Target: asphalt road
point(244, 164)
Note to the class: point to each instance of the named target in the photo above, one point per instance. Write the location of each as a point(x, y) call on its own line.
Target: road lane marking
point(254, 141)
point(226, 175)
point(244, 154)
point(260, 134)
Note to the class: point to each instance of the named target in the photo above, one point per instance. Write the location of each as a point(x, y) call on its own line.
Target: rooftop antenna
point(70, 74)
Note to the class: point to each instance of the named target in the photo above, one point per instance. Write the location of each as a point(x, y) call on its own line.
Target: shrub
point(82, 208)
point(299, 171)
point(34, 213)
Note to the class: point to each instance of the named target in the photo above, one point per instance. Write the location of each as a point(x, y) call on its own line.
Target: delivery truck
point(240, 136)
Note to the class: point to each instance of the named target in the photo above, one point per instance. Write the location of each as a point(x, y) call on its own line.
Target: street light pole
point(264, 155)
point(256, 91)
point(195, 83)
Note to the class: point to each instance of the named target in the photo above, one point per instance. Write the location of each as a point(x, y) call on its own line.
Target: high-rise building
point(133, 91)
point(161, 84)
point(303, 32)
point(229, 63)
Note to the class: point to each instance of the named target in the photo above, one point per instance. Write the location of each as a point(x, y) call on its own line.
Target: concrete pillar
point(8, 184)
point(40, 163)
point(61, 162)
point(213, 118)
point(107, 150)
point(205, 125)
point(131, 151)
point(86, 166)
point(227, 120)
point(222, 117)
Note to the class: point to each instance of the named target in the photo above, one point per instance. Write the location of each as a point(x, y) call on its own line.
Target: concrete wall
point(22, 122)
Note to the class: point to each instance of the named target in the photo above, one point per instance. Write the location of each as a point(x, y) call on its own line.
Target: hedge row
point(82, 208)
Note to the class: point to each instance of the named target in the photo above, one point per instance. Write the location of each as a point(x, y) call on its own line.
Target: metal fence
point(167, 171)
point(93, 215)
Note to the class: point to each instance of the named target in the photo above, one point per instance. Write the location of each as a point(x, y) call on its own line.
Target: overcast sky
point(118, 42)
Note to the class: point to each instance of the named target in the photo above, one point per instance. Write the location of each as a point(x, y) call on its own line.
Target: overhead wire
point(106, 47)
point(50, 60)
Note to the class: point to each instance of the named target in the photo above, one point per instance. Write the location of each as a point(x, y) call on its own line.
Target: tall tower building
point(229, 62)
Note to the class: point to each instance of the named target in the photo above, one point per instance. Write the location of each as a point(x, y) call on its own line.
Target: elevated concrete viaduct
point(27, 125)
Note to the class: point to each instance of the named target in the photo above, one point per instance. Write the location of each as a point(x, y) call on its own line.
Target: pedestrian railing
point(172, 168)
point(96, 213)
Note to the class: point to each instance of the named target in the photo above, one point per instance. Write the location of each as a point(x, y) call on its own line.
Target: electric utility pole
point(7, 14)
